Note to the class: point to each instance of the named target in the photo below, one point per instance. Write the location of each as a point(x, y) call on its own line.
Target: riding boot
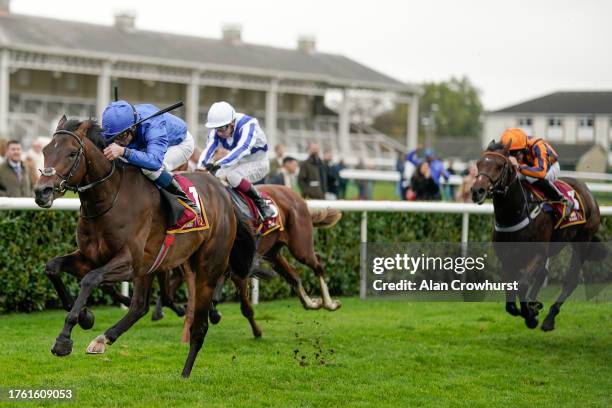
point(551, 191)
point(262, 205)
point(175, 188)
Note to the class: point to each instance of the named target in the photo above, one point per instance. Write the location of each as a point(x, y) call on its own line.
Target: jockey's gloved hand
point(211, 167)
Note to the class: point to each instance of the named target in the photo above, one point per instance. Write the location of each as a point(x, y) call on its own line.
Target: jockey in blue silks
point(157, 146)
point(247, 159)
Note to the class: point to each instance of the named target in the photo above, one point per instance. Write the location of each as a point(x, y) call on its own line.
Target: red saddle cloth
point(189, 221)
point(269, 224)
point(558, 208)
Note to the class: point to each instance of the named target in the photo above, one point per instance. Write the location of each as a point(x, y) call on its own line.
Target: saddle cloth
point(188, 221)
point(557, 208)
point(248, 208)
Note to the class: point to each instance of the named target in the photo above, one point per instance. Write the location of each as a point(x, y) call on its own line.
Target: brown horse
point(518, 219)
point(297, 235)
point(121, 229)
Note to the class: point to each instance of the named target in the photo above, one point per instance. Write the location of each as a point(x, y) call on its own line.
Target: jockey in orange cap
point(537, 163)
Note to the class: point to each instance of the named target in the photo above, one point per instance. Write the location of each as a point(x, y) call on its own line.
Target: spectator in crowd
point(2, 150)
point(464, 194)
point(423, 184)
point(14, 175)
point(312, 178)
point(333, 175)
point(35, 153)
point(277, 162)
point(342, 182)
point(287, 175)
point(406, 175)
point(436, 167)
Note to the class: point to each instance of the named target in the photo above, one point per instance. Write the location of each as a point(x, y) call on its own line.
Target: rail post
point(362, 255)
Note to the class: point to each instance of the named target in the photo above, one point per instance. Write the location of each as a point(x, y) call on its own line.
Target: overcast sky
point(512, 50)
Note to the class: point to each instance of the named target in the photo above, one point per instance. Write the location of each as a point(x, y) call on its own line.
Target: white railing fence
point(72, 204)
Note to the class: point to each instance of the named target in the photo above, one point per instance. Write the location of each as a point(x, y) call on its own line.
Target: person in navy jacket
point(157, 146)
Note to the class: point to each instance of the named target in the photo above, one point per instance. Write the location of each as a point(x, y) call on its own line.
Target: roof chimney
point(232, 33)
point(5, 7)
point(125, 20)
point(307, 44)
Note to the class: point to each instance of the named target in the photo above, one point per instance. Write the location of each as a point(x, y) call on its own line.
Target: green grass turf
point(369, 353)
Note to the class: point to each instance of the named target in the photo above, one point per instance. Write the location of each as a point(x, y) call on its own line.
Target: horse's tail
point(597, 250)
point(244, 248)
point(324, 217)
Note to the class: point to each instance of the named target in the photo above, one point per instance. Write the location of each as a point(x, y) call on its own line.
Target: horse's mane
point(94, 132)
point(495, 146)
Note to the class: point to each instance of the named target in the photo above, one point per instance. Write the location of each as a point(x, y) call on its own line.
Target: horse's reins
point(63, 186)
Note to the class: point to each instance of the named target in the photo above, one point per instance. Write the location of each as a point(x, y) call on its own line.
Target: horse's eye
point(73, 154)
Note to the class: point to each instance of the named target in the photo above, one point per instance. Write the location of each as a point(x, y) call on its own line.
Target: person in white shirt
point(246, 161)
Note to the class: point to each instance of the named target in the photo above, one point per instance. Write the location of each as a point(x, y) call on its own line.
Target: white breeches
point(175, 157)
point(250, 170)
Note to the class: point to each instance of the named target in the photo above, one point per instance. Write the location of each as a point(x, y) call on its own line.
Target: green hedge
point(29, 239)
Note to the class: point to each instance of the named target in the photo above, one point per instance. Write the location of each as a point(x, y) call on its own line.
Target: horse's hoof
point(215, 317)
point(157, 316)
point(86, 319)
point(548, 325)
point(62, 347)
point(97, 345)
point(532, 323)
point(180, 311)
point(512, 309)
point(334, 305)
point(257, 332)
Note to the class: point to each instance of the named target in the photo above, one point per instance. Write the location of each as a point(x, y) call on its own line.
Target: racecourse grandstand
point(49, 67)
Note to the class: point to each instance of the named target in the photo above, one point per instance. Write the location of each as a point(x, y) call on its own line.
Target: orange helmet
point(517, 138)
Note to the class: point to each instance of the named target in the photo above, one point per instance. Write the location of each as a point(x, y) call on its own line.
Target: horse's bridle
point(502, 179)
point(63, 185)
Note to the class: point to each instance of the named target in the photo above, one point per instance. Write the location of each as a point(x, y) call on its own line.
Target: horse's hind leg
point(303, 250)
point(138, 308)
point(169, 282)
point(245, 304)
point(213, 314)
point(284, 268)
point(570, 284)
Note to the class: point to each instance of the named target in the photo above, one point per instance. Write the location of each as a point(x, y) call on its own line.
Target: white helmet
point(220, 114)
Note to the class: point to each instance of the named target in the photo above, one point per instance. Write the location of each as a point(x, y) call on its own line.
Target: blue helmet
point(118, 117)
point(429, 152)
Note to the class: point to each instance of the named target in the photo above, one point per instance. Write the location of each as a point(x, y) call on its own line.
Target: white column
point(272, 114)
point(103, 96)
point(4, 92)
point(344, 126)
point(193, 104)
point(412, 127)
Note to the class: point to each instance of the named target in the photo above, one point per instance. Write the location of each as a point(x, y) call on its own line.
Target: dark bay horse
point(121, 229)
point(297, 235)
point(498, 177)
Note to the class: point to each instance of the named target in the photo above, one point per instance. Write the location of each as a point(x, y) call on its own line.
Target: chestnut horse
point(121, 228)
point(498, 177)
point(297, 235)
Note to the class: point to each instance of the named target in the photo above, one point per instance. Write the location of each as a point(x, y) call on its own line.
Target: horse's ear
point(491, 145)
point(61, 122)
point(83, 128)
point(507, 147)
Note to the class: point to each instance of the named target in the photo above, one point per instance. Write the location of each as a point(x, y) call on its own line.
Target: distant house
point(570, 118)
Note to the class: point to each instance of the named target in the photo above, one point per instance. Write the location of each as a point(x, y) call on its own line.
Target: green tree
point(456, 112)
point(455, 107)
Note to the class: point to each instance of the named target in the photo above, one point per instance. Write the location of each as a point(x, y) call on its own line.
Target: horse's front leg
point(138, 308)
point(73, 263)
point(508, 275)
point(119, 268)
